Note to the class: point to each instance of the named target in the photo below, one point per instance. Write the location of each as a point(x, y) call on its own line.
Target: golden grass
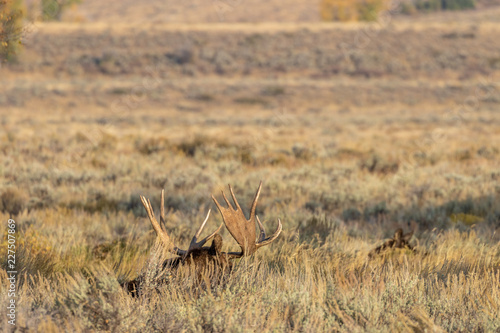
point(293, 285)
point(345, 161)
point(83, 230)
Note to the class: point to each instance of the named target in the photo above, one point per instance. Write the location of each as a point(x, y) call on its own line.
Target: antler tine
point(262, 235)
point(194, 241)
point(225, 198)
point(264, 241)
point(149, 210)
point(206, 239)
point(254, 203)
point(200, 229)
point(162, 210)
point(167, 242)
point(398, 234)
point(234, 198)
point(219, 207)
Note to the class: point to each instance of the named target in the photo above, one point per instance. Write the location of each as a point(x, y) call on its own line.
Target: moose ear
point(398, 234)
point(216, 246)
point(407, 237)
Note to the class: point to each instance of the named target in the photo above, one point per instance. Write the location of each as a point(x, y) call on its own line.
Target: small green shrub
point(428, 5)
point(52, 9)
point(250, 100)
point(190, 147)
point(273, 91)
point(376, 211)
point(457, 4)
point(351, 214)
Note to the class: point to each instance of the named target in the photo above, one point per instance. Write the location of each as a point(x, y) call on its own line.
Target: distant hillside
point(195, 11)
point(203, 11)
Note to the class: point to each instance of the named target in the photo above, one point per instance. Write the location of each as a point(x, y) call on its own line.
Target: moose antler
point(163, 235)
point(401, 240)
point(243, 230)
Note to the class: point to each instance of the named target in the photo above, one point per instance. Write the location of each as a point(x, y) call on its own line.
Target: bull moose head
point(243, 230)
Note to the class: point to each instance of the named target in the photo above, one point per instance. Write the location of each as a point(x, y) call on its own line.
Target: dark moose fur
point(207, 260)
point(399, 241)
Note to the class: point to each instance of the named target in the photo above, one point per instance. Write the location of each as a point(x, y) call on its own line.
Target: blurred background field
point(359, 117)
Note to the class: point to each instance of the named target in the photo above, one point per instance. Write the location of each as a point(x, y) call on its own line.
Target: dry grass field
point(355, 130)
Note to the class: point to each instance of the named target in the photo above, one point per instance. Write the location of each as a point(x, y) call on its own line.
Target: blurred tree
point(11, 16)
point(352, 10)
point(338, 10)
point(436, 5)
point(428, 5)
point(457, 4)
point(369, 9)
point(52, 9)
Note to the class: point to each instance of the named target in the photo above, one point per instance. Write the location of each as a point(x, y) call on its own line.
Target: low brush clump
point(13, 201)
